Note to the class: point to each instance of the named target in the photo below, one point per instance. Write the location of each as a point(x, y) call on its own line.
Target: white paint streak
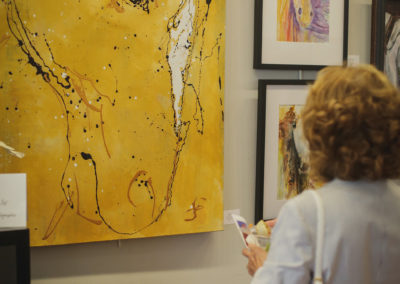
point(179, 50)
point(11, 150)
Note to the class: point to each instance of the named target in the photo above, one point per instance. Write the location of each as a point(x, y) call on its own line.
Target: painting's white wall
point(208, 257)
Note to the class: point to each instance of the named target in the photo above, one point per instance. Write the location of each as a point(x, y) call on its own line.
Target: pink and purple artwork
point(303, 21)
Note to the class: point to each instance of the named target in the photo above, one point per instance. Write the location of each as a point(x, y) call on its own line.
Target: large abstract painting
point(114, 109)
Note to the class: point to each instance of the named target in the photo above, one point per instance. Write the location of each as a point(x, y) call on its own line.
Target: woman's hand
point(270, 223)
point(256, 257)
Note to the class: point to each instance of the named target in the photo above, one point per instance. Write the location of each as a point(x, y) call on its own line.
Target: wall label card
point(12, 200)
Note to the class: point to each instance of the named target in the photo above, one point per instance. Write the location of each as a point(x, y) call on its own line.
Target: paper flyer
point(13, 202)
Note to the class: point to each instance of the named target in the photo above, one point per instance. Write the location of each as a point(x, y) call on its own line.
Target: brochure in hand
point(258, 235)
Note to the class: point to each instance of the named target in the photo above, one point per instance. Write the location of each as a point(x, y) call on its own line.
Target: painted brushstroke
point(293, 167)
point(143, 4)
point(194, 207)
point(89, 113)
point(3, 39)
point(303, 20)
point(180, 29)
point(11, 150)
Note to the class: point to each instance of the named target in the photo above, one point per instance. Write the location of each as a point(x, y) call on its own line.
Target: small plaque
point(13, 200)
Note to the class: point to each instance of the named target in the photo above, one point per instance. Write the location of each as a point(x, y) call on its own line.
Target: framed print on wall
point(385, 38)
point(281, 164)
point(293, 34)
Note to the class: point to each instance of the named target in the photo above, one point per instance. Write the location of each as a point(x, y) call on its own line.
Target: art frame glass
point(321, 38)
point(274, 96)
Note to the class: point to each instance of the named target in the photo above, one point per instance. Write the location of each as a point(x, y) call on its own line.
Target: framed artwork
point(281, 164)
point(293, 34)
point(115, 111)
point(385, 38)
point(15, 255)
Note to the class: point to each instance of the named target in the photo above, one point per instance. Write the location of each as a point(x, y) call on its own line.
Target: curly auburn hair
point(351, 121)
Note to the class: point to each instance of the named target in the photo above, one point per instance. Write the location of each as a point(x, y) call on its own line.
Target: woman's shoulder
point(299, 210)
point(337, 188)
point(340, 199)
point(304, 204)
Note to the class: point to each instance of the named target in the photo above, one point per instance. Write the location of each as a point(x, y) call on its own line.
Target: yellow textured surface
point(87, 93)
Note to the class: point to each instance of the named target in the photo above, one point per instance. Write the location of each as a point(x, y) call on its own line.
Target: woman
point(351, 121)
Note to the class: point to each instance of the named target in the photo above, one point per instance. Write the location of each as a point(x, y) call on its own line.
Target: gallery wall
point(207, 257)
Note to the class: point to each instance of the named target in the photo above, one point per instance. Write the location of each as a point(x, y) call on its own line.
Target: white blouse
point(361, 241)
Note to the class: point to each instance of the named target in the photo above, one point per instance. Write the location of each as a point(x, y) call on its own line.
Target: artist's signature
point(4, 202)
point(4, 216)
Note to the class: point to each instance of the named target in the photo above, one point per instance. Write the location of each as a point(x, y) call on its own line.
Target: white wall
point(207, 257)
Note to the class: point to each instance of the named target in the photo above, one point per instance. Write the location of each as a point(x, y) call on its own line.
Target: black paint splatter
point(143, 4)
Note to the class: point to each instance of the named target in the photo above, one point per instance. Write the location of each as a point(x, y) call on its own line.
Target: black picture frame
point(378, 33)
point(14, 243)
point(381, 32)
point(259, 63)
point(264, 86)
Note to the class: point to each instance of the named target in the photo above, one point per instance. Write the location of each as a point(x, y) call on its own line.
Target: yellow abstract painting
point(114, 109)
